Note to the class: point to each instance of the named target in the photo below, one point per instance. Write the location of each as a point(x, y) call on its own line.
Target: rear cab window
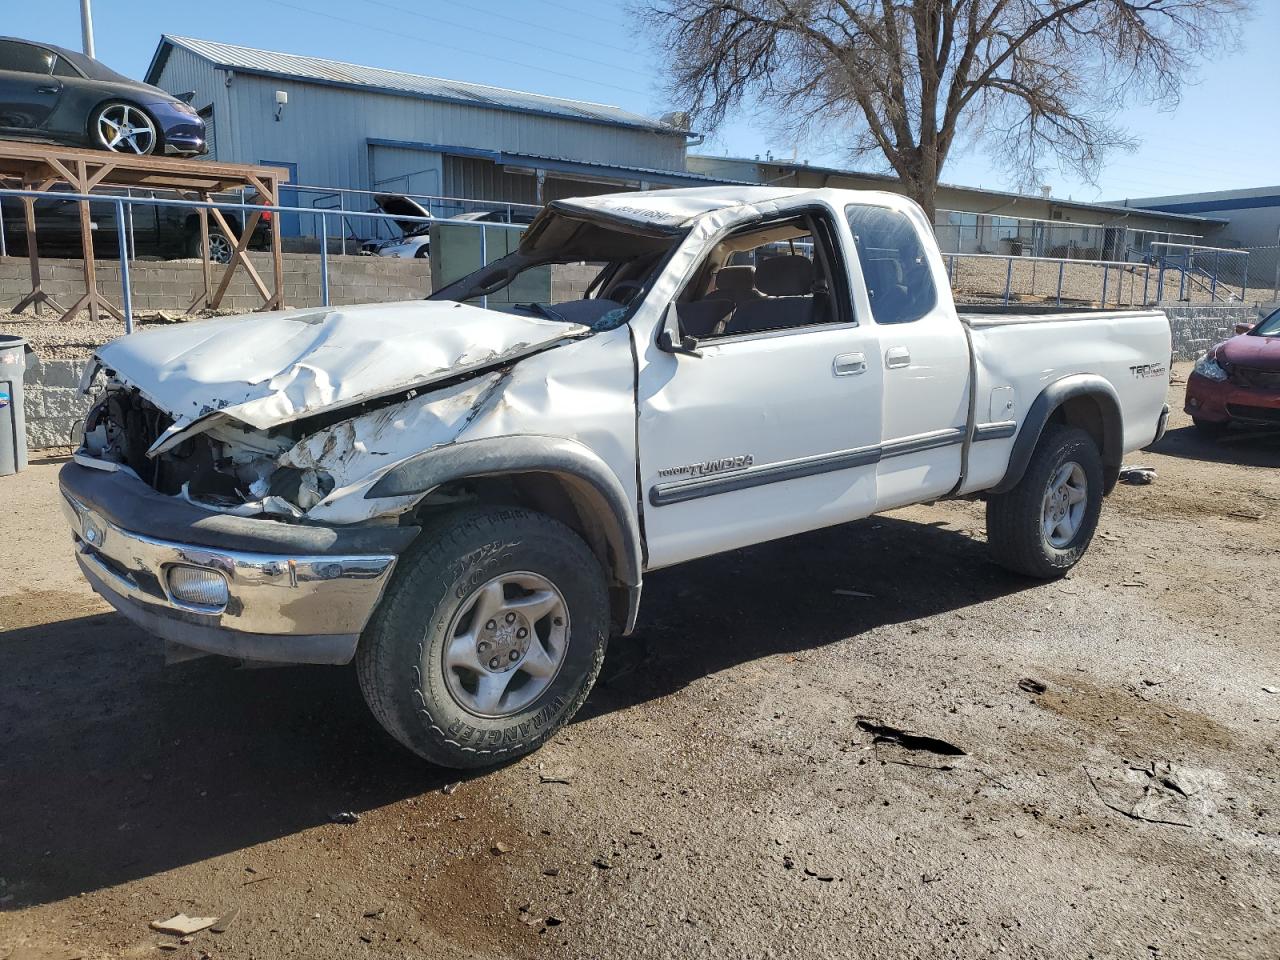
point(894, 263)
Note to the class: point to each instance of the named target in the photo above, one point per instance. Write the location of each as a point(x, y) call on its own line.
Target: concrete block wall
point(1196, 327)
point(174, 284)
point(54, 405)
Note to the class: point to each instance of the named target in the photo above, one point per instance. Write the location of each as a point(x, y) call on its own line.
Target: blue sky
point(1223, 135)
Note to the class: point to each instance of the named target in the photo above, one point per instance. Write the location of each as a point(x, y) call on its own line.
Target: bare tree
point(910, 79)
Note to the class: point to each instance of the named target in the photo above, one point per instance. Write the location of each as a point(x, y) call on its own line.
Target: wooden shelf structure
point(50, 168)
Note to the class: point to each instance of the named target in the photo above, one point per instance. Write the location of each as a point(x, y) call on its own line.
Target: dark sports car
point(48, 93)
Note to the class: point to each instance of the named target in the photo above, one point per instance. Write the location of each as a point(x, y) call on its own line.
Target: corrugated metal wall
point(185, 71)
point(484, 180)
point(404, 170)
point(325, 131)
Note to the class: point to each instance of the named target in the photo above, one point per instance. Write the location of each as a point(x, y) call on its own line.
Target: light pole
point(86, 27)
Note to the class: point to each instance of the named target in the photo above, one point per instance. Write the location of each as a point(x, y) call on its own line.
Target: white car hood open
point(272, 368)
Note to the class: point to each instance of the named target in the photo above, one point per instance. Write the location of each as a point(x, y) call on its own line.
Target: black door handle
point(47, 89)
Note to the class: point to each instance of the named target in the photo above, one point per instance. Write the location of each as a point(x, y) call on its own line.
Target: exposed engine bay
point(228, 467)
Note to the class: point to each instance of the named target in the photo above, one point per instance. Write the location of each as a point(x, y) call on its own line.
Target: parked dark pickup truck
point(169, 233)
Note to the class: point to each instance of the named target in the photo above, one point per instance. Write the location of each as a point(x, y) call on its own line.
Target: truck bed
point(990, 315)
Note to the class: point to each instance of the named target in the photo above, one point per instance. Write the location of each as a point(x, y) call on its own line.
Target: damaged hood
point(268, 369)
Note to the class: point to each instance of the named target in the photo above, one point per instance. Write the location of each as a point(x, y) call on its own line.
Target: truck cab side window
point(894, 266)
point(25, 58)
point(775, 276)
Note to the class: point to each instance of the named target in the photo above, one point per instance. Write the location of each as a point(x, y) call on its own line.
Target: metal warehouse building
point(364, 128)
point(1252, 216)
point(979, 220)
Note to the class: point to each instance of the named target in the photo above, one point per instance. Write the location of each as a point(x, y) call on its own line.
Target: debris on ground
point(1271, 689)
point(881, 733)
point(824, 877)
point(225, 921)
point(346, 816)
point(1156, 792)
point(556, 776)
point(1137, 476)
point(376, 914)
point(1032, 686)
point(499, 848)
point(448, 788)
point(854, 593)
point(182, 925)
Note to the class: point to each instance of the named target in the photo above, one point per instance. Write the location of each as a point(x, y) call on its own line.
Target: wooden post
point(206, 299)
point(37, 298)
point(86, 244)
point(277, 255)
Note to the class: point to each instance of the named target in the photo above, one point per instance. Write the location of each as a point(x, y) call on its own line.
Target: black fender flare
point(568, 460)
point(1042, 408)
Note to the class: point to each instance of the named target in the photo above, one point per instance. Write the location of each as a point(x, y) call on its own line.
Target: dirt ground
point(717, 796)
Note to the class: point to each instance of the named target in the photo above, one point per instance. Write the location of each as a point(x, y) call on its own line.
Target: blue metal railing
point(123, 206)
point(1109, 267)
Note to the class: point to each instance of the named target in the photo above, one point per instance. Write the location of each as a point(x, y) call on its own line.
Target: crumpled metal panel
point(269, 369)
point(582, 392)
point(672, 208)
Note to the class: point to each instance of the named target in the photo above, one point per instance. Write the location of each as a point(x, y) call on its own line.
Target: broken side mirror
point(670, 339)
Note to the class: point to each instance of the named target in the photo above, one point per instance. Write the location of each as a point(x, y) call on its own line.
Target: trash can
point(13, 425)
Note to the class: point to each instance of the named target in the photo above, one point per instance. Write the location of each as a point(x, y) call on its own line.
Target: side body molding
point(1088, 385)
point(568, 460)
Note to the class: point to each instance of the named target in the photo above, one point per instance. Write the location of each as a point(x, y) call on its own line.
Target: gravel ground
point(717, 797)
point(77, 337)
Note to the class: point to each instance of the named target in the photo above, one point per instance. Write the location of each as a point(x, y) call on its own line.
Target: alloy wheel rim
point(219, 248)
point(506, 644)
point(1065, 501)
point(126, 129)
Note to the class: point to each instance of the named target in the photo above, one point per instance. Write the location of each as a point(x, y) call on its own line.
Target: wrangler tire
point(430, 612)
point(1017, 520)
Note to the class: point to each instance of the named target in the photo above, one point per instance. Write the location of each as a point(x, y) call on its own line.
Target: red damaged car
point(1238, 380)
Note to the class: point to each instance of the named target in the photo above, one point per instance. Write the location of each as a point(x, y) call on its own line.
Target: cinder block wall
point(53, 402)
point(1198, 327)
point(174, 284)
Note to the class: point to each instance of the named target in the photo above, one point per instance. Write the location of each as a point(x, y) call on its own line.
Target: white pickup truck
point(465, 500)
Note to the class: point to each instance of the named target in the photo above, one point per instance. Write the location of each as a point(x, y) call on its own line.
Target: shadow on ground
point(115, 767)
point(1249, 447)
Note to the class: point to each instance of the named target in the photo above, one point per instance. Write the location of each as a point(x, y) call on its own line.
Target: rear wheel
point(1043, 526)
point(220, 247)
point(489, 638)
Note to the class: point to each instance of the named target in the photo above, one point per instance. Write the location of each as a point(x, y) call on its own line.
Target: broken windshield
point(574, 269)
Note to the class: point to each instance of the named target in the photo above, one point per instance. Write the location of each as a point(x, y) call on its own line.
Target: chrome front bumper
point(280, 607)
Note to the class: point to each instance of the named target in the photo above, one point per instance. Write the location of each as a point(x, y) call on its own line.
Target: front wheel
point(1043, 526)
point(124, 128)
point(489, 638)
